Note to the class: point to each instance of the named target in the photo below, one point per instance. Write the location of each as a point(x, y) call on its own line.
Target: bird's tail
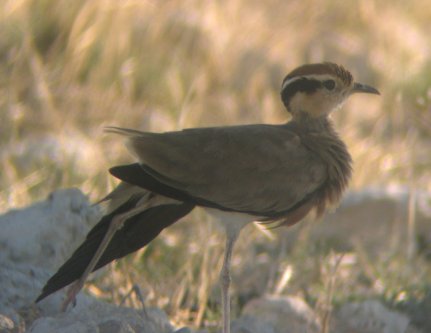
point(137, 232)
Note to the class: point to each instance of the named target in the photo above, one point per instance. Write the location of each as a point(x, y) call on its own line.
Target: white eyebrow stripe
point(287, 82)
point(319, 77)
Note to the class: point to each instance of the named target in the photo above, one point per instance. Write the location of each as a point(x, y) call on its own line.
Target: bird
point(272, 174)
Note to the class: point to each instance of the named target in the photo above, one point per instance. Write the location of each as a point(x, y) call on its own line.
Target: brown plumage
point(275, 174)
point(321, 69)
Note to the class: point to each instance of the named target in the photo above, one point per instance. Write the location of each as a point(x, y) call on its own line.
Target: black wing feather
point(137, 232)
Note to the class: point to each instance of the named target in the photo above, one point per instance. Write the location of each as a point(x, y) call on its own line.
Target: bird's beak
point(363, 88)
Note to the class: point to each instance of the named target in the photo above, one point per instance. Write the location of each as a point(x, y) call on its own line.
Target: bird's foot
point(71, 295)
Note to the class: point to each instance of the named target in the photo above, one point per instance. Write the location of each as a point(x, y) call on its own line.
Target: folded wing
point(263, 168)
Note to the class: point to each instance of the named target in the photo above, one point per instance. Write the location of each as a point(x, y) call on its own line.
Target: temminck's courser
point(267, 173)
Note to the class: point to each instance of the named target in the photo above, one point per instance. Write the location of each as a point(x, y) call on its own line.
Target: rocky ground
point(35, 240)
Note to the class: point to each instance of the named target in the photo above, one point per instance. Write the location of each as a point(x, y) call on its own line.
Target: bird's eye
point(329, 84)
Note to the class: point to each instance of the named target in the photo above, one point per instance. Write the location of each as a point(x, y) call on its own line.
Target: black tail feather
point(137, 232)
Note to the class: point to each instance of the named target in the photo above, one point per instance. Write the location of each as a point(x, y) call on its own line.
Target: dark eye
point(329, 84)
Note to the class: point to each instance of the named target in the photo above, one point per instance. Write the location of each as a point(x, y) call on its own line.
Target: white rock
point(371, 317)
point(47, 232)
point(34, 242)
point(285, 314)
point(104, 318)
point(250, 324)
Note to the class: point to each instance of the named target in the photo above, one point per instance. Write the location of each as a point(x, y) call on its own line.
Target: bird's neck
point(320, 137)
point(307, 123)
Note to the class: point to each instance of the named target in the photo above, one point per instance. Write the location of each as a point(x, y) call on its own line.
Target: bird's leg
point(116, 224)
point(225, 279)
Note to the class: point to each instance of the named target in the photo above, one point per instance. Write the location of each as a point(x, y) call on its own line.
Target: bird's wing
point(137, 232)
point(252, 168)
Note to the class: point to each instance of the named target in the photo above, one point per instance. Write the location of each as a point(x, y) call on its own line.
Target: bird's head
point(318, 89)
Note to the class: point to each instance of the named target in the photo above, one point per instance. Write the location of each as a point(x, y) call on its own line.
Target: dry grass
point(69, 68)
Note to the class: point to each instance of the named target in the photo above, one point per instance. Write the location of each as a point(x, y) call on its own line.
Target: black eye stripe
point(303, 84)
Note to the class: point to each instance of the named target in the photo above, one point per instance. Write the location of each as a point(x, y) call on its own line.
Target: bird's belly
point(231, 221)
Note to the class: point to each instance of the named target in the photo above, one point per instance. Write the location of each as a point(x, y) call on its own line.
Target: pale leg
point(225, 279)
point(116, 224)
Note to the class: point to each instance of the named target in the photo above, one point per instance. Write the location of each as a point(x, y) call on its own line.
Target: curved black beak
point(363, 88)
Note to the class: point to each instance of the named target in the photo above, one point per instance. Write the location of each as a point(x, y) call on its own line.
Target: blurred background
point(69, 68)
